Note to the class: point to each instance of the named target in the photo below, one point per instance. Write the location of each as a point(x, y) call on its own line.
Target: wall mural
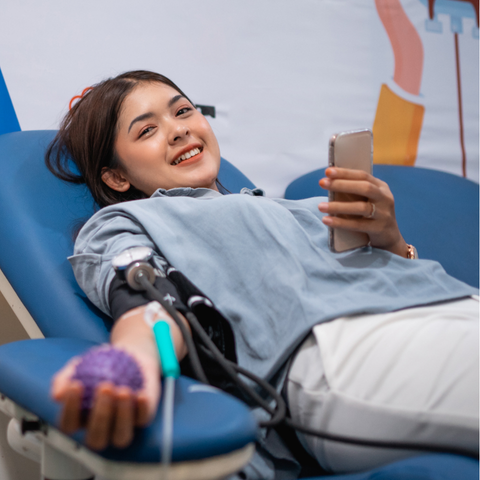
point(275, 79)
point(399, 116)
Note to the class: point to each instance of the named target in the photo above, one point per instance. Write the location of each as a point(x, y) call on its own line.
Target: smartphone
point(354, 150)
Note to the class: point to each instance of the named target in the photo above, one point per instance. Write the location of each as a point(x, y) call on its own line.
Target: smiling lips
point(191, 153)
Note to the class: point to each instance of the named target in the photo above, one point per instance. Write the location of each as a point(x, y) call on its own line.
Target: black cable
point(142, 279)
point(230, 369)
point(340, 438)
point(279, 412)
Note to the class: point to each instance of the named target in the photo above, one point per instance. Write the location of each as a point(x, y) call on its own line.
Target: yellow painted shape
point(396, 129)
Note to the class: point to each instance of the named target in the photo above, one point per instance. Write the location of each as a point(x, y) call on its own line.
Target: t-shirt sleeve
point(103, 237)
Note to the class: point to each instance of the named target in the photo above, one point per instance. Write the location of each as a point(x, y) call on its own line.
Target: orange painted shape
point(396, 129)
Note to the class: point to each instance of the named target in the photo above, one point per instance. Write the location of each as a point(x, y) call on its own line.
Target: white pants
point(410, 375)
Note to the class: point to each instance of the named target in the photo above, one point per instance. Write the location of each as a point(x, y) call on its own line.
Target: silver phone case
point(352, 149)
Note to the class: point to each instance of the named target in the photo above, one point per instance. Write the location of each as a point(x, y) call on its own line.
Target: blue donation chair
point(214, 434)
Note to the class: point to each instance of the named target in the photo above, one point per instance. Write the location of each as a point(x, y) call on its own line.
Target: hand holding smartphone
point(353, 149)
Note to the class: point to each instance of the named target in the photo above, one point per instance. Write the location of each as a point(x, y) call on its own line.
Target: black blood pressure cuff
point(185, 297)
point(217, 328)
point(211, 320)
point(122, 298)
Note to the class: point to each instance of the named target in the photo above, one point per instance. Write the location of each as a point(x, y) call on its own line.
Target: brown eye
point(146, 130)
point(184, 110)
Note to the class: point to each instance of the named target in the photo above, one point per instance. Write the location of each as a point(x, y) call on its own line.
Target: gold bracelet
point(412, 252)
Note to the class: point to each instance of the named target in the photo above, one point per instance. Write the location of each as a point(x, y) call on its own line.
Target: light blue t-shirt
point(264, 262)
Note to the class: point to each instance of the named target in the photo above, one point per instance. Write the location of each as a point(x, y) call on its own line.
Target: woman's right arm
point(117, 410)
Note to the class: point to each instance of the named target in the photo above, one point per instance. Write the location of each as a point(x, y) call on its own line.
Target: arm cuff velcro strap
point(122, 298)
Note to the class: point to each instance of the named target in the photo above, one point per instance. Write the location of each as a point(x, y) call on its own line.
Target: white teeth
point(185, 156)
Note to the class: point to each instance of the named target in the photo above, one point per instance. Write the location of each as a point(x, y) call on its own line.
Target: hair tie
point(79, 97)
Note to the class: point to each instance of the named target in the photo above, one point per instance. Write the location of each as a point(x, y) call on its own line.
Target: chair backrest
point(436, 211)
point(38, 214)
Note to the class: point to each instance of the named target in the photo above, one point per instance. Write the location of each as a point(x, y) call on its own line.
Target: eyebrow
point(175, 99)
point(145, 116)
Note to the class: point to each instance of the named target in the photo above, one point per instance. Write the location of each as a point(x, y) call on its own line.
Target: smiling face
point(162, 142)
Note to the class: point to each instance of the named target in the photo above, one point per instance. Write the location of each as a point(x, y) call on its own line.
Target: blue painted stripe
point(8, 117)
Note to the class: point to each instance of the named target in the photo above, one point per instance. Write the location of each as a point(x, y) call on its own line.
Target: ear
point(115, 179)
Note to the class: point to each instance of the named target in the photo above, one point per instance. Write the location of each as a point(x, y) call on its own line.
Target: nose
point(179, 130)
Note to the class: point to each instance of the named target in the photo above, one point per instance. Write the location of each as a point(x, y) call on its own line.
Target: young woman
point(369, 343)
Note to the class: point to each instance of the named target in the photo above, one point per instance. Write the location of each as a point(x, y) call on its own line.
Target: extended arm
point(117, 410)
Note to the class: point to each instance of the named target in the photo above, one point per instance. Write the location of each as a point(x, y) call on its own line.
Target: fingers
point(358, 224)
point(356, 216)
point(143, 415)
point(113, 417)
point(361, 188)
point(70, 392)
point(62, 380)
point(70, 419)
point(351, 174)
point(100, 418)
point(344, 180)
point(360, 209)
point(124, 418)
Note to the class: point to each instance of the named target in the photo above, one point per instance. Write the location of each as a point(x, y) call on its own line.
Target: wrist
point(405, 250)
point(155, 312)
point(132, 334)
point(399, 248)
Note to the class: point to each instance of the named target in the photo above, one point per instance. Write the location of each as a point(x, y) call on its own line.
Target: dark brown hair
point(87, 136)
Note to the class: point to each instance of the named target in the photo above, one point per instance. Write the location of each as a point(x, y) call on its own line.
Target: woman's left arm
point(382, 227)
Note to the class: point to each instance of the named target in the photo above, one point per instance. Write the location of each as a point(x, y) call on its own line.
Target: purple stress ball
point(106, 365)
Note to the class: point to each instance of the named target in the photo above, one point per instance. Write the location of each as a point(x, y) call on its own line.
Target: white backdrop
point(283, 75)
